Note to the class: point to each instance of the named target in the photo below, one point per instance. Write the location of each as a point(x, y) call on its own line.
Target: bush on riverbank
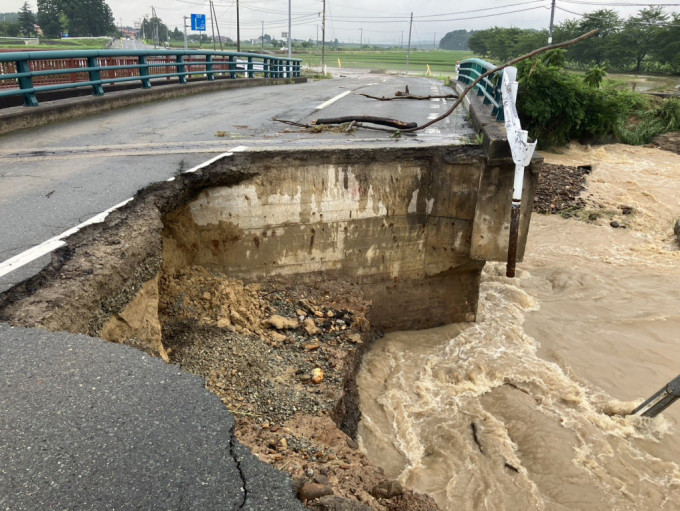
point(556, 107)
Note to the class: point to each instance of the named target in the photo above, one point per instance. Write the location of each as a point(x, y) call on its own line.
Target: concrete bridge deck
point(58, 176)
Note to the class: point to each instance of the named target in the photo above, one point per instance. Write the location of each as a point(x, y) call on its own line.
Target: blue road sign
point(198, 22)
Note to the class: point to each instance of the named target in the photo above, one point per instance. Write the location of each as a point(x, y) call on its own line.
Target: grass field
point(61, 44)
point(642, 82)
point(441, 62)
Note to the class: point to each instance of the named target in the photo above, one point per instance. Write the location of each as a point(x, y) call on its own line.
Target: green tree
point(154, 29)
point(9, 29)
point(26, 20)
point(641, 32)
point(596, 49)
point(64, 23)
point(502, 44)
point(480, 42)
point(455, 40)
point(176, 35)
point(85, 17)
point(48, 17)
point(666, 49)
point(594, 76)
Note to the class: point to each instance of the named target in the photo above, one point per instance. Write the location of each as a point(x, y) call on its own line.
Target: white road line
point(333, 100)
point(51, 244)
point(57, 241)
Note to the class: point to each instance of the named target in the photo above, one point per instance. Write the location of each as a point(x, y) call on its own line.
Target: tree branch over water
point(496, 69)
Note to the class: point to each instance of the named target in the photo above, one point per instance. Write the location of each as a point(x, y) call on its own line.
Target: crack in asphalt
point(232, 439)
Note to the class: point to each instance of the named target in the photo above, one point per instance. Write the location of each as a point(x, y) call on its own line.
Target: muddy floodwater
point(526, 409)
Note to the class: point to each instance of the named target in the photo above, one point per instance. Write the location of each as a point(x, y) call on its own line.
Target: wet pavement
point(90, 425)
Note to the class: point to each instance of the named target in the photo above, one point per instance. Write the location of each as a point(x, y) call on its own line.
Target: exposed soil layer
point(668, 142)
point(283, 361)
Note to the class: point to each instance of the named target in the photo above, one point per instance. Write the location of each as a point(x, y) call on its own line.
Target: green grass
point(440, 61)
point(62, 44)
point(641, 82)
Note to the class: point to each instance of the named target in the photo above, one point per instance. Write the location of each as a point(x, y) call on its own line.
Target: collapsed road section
point(268, 273)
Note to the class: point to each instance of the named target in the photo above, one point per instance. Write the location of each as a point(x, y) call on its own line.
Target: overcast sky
point(374, 21)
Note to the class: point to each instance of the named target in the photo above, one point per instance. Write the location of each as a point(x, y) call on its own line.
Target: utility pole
point(219, 36)
point(408, 51)
point(361, 37)
point(238, 28)
point(552, 18)
point(434, 41)
point(323, 40)
point(262, 39)
point(212, 25)
point(290, 48)
point(185, 33)
point(402, 40)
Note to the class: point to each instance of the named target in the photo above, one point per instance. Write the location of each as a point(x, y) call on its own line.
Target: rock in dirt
point(335, 503)
point(559, 188)
point(281, 323)
point(317, 375)
point(311, 491)
point(676, 228)
point(668, 142)
point(310, 327)
point(387, 490)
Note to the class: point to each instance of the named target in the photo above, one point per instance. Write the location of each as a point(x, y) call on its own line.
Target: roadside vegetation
point(648, 42)
point(557, 106)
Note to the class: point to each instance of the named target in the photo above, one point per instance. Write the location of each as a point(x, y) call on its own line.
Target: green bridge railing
point(489, 87)
point(29, 73)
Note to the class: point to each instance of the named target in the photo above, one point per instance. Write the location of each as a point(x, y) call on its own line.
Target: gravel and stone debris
point(283, 358)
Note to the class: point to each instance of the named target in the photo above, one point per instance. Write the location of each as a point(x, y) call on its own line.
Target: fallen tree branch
point(292, 123)
point(496, 69)
point(408, 127)
point(375, 128)
point(382, 121)
point(409, 96)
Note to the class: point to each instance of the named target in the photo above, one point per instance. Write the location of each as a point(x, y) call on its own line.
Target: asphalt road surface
point(55, 177)
point(91, 425)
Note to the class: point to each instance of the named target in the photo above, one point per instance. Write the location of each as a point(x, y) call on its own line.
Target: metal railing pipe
point(31, 72)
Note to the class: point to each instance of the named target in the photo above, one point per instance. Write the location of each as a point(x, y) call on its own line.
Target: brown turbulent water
point(525, 409)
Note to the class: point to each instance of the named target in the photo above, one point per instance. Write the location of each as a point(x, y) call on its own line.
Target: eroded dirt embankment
point(281, 356)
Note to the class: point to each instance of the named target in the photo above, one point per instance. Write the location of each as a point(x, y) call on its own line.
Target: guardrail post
point(209, 67)
point(181, 68)
point(144, 71)
point(26, 83)
point(250, 68)
point(95, 76)
point(232, 66)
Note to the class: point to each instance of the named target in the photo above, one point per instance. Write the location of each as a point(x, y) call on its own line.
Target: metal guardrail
point(489, 87)
point(31, 72)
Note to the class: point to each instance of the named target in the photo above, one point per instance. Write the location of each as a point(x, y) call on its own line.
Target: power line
point(619, 4)
point(340, 19)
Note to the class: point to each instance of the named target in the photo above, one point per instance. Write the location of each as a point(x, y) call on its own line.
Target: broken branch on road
point(408, 127)
point(381, 121)
point(407, 96)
